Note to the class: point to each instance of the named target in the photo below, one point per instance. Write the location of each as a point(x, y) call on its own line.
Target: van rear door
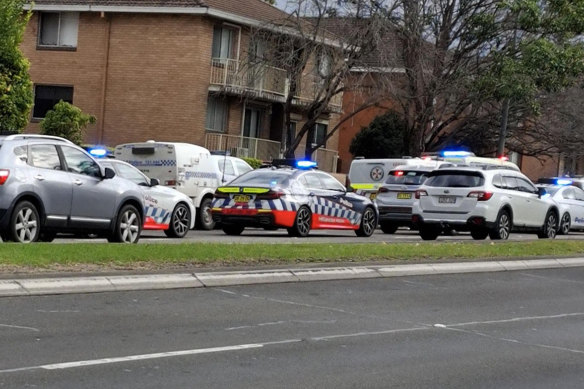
point(155, 160)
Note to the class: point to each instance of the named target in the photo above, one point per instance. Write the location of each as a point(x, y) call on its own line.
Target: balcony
point(310, 87)
point(265, 150)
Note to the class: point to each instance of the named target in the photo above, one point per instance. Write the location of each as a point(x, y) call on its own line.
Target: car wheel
point(368, 223)
point(502, 226)
point(550, 226)
point(128, 226)
point(233, 229)
point(24, 223)
point(388, 227)
point(180, 222)
point(565, 224)
point(429, 232)
point(302, 223)
point(479, 233)
point(205, 220)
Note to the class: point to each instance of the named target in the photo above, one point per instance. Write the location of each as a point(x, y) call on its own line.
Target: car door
point(517, 200)
point(94, 200)
point(52, 183)
point(536, 208)
point(576, 207)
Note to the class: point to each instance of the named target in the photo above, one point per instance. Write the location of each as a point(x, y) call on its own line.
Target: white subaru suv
point(487, 201)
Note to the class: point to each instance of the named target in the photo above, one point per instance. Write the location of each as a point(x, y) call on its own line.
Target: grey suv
point(49, 185)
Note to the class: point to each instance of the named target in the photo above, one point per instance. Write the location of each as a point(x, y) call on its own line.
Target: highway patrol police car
point(297, 199)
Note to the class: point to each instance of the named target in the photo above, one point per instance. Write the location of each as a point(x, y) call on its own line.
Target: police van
point(186, 167)
point(367, 175)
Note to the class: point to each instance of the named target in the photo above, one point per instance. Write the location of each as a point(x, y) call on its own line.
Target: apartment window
point(216, 114)
point(223, 43)
point(252, 122)
point(320, 130)
point(46, 96)
point(324, 66)
point(58, 29)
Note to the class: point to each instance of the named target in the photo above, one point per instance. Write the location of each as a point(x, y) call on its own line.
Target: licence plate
point(240, 198)
point(447, 199)
point(372, 196)
point(404, 196)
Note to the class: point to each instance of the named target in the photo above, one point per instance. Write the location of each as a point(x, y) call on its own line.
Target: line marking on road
point(20, 327)
point(515, 319)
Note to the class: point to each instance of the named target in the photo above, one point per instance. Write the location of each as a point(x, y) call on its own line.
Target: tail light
point(382, 190)
point(271, 195)
point(480, 195)
point(4, 173)
point(398, 173)
point(420, 193)
point(170, 183)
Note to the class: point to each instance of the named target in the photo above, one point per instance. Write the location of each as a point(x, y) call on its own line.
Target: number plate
point(404, 196)
point(240, 198)
point(447, 199)
point(372, 196)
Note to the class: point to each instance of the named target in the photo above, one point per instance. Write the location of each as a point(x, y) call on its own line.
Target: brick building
point(169, 70)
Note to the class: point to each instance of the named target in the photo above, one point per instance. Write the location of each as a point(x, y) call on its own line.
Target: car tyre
point(180, 222)
point(128, 226)
point(205, 219)
point(24, 223)
point(479, 233)
point(233, 229)
point(429, 232)
point(502, 227)
point(388, 227)
point(368, 223)
point(550, 226)
point(302, 223)
point(565, 224)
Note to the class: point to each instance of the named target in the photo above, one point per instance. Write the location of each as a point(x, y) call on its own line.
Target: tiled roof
point(253, 9)
point(125, 3)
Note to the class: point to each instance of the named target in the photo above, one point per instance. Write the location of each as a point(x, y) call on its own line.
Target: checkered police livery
point(276, 205)
point(159, 215)
point(326, 207)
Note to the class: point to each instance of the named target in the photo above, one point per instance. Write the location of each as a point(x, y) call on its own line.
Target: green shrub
point(67, 121)
point(383, 138)
point(253, 162)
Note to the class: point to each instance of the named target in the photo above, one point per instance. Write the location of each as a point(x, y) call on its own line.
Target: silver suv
point(49, 185)
point(486, 201)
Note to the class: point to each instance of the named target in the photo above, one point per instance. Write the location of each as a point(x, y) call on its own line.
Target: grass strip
point(220, 254)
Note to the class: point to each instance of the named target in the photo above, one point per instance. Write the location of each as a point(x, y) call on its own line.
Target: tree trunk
point(503, 128)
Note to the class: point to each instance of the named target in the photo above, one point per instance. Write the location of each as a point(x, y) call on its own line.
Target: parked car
point(570, 201)
point(296, 199)
point(48, 185)
point(487, 201)
point(186, 167)
point(395, 196)
point(165, 208)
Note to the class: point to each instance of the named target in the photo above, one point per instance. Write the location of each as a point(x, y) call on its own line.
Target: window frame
point(218, 40)
point(58, 46)
point(315, 134)
point(35, 94)
point(217, 102)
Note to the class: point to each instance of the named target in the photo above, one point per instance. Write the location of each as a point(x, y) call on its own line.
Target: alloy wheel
point(181, 220)
point(26, 225)
point(504, 226)
point(129, 227)
point(303, 221)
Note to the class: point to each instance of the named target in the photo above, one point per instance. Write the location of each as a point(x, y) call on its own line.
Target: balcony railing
point(311, 87)
point(250, 77)
point(266, 150)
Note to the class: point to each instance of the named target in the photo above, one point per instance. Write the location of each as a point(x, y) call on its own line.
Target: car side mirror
point(154, 182)
point(109, 173)
point(541, 192)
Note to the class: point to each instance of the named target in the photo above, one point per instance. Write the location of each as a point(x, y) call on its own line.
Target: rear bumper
point(395, 214)
point(254, 217)
point(458, 224)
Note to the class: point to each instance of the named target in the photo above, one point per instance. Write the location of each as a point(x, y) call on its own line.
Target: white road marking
point(20, 327)
point(516, 319)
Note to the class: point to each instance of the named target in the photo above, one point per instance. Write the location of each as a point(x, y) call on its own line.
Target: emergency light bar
point(305, 164)
point(457, 154)
point(98, 152)
point(564, 181)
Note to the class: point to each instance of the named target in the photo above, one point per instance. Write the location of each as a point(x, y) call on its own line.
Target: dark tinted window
point(455, 179)
point(406, 177)
point(45, 156)
point(80, 163)
point(262, 177)
point(45, 98)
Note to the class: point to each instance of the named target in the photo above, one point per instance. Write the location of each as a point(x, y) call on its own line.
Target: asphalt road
point(519, 329)
point(256, 235)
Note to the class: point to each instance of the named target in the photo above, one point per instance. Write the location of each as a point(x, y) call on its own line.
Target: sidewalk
point(94, 284)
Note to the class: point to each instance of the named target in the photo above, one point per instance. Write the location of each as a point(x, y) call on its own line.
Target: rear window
point(455, 179)
point(404, 177)
point(262, 178)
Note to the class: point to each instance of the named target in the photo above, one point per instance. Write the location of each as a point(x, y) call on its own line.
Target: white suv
point(487, 201)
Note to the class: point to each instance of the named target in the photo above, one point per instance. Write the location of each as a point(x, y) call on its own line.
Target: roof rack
point(37, 136)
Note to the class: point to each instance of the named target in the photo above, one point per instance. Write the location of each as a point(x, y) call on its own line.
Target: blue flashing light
point(305, 164)
point(564, 181)
point(98, 152)
point(457, 154)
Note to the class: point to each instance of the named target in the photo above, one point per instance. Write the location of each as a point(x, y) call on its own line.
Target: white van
point(188, 168)
point(367, 175)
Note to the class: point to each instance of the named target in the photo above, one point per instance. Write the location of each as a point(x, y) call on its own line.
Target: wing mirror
point(541, 192)
point(154, 182)
point(109, 173)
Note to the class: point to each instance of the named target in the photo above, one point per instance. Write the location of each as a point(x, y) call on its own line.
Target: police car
point(298, 198)
point(570, 199)
point(164, 208)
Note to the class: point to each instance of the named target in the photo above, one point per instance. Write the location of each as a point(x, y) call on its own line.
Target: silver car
point(48, 185)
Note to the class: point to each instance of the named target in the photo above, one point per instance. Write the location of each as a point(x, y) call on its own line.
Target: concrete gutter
point(95, 284)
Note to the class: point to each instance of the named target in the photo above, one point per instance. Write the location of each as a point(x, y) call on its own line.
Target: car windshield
point(455, 179)
point(404, 177)
point(263, 178)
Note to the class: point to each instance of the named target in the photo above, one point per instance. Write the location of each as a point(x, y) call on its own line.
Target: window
point(45, 157)
point(132, 174)
point(498, 181)
point(226, 167)
point(579, 194)
point(525, 186)
point(320, 130)
point(242, 167)
point(252, 122)
point(216, 114)
point(223, 43)
point(455, 180)
point(324, 65)
point(58, 29)
point(406, 177)
point(330, 183)
point(569, 194)
point(46, 96)
point(310, 180)
point(80, 163)
point(510, 183)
